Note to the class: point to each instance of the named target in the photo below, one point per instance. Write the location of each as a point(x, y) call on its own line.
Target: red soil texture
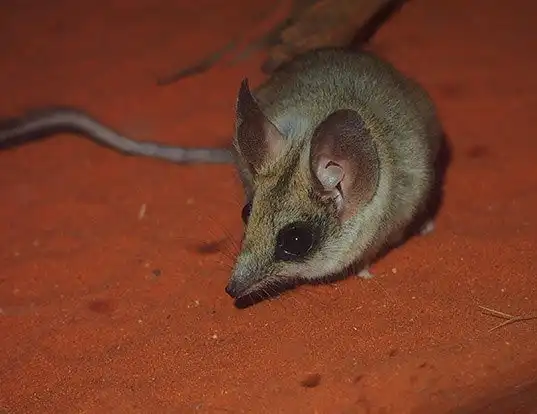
point(102, 311)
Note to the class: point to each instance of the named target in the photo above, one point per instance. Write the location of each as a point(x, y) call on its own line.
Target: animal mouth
point(240, 293)
point(256, 288)
point(266, 288)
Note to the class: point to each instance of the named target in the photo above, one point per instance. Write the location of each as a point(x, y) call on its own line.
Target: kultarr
point(336, 154)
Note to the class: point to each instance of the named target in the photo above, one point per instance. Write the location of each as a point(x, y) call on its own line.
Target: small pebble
point(311, 381)
point(141, 212)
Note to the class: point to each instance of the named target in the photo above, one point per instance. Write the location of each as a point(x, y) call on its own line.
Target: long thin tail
point(50, 121)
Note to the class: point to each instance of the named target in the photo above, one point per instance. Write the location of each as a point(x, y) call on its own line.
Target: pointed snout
point(232, 289)
point(239, 284)
point(246, 274)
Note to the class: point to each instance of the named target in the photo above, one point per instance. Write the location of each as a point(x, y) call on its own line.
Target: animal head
point(299, 195)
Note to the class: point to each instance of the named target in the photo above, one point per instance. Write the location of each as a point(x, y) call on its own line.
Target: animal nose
point(232, 289)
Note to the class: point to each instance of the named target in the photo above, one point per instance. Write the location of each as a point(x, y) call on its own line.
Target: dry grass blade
point(310, 24)
point(200, 67)
point(508, 319)
point(267, 39)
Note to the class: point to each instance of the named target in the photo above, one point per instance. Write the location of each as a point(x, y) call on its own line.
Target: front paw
point(365, 273)
point(428, 227)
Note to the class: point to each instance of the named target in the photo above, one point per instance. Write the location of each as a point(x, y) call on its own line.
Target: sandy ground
point(103, 312)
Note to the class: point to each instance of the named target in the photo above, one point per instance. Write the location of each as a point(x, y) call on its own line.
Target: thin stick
point(208, 62)
point(265, 40)
point(509, 319)
point(198, 68)
point(268, 39)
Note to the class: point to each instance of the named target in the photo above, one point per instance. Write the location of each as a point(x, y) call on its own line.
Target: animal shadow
point(520, 399)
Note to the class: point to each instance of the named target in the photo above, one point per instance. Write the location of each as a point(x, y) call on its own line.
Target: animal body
point(336, 154)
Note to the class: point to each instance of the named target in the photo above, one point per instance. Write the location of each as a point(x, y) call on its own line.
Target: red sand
point(88, 327)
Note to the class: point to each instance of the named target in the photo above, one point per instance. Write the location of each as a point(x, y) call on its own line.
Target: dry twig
point(310, 24)
point(200, 67)
point(508, 319)
point(266, 39)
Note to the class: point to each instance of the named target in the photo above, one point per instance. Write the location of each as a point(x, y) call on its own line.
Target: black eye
point(246, 212)
point(294, 241)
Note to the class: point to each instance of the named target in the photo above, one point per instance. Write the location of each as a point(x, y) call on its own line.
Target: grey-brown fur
point(403, 124)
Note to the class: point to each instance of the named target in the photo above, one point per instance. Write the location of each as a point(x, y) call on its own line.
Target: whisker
point(282, 284)
point(227, 234)
point(227, 256)
point(275, 293)
point(267, 296)
point(259, 296)
point(226, 265)
point(314, 294)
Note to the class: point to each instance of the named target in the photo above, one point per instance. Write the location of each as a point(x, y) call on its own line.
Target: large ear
point(257, 139)
point(344, 161)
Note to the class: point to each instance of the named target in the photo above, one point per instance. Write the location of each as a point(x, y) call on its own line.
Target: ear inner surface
point(329, 173)
point(257, 139)
point(344, 160)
